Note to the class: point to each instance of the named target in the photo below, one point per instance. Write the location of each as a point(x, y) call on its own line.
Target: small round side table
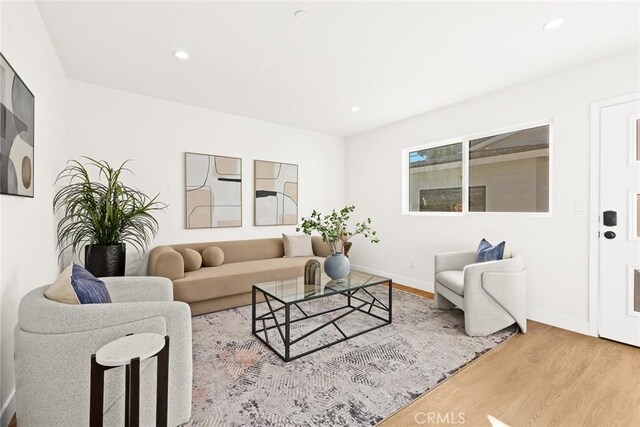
point(128, 351)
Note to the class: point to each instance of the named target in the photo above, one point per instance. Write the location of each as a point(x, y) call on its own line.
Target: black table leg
point(97, 393)
point(162, 387)
point(390, 301)
point(253, 310)
point(287, 337)
point(127, 394)
point(134, 393)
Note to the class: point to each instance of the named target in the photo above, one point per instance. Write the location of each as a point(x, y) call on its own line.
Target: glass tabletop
point(294, 290)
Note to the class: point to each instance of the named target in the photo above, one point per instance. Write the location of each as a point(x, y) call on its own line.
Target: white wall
point(75, 118)
point(3, 403)
point(555, 248)
point(115, 126)
point(28, 250)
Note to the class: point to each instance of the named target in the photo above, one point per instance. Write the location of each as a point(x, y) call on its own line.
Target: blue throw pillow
point(88, 288)
point(488, 252)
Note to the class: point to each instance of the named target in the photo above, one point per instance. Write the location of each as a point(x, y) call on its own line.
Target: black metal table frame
point(285, 334)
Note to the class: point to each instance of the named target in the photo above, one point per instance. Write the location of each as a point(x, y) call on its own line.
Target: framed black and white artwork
point(17, 122)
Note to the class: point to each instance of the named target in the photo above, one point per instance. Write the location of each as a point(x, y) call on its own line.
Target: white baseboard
point(558, 320)
point(553, 319)
point(402, 280)
point(8, 410)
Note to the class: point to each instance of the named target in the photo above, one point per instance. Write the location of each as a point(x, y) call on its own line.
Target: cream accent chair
point(491, 294)
point(55, 341)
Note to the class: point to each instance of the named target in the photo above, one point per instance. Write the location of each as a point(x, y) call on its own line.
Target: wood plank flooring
point(546, 377)
point(419, 292)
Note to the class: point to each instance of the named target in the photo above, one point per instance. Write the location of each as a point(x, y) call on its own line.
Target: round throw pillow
point(192, 259)
point(212, 256)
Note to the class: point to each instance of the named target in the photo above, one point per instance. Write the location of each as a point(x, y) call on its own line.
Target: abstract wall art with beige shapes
point(17, 122)
point(276, 187)
point(213, 191)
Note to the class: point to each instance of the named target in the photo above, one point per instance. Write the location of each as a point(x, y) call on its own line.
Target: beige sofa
point(246, 262)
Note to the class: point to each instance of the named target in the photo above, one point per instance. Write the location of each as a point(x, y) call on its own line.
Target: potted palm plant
point(103, 216)
point(334, 230)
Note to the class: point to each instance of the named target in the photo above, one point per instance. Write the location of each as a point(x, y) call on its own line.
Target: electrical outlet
point(412, 263)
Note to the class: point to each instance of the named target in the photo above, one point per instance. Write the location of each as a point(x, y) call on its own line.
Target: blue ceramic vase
point(337, 266)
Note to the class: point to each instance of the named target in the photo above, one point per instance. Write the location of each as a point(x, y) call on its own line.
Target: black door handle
point(610, 218)
point(609, 235)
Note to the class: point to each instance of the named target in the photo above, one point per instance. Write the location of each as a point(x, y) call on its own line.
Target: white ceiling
point(392, 59)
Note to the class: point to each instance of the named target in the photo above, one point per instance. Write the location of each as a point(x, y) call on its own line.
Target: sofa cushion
point(453, 280)
point(241, 250)
point(212, 256)
point(75, 285)
point(488, 252)
point(88, 288)
point(297, 245)
point(236, 278)
point(61, 290)
point(192, 259)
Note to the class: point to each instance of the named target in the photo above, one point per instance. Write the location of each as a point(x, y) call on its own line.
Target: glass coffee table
point(352, 297)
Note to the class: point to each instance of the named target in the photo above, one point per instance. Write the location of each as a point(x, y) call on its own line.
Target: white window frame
point(633, 150)
point(465, 171)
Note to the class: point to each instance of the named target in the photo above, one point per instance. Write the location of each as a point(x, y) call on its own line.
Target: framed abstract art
point(17, 123)
point(276, 193)
point(213, 191)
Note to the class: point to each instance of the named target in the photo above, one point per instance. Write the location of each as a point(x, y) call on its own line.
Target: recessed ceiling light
point(355, 109)
point(300, 14)
point(553, 24)
point(181, 54)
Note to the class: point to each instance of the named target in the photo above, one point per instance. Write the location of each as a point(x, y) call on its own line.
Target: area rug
point(238, 381)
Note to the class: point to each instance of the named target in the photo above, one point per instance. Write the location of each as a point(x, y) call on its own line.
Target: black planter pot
point(105, 260)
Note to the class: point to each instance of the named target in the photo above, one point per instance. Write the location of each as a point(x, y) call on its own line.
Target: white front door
point(620, 221)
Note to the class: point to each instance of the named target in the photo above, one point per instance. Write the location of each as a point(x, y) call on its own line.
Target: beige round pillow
point(212, 256)
point(192, 259)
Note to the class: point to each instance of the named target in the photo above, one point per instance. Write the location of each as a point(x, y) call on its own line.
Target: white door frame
point(594, 210)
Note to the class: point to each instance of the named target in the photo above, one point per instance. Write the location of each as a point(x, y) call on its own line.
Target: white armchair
point(55, 341)
point(491, 294)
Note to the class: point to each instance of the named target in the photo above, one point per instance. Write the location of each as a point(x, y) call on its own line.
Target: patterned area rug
point(238, 381)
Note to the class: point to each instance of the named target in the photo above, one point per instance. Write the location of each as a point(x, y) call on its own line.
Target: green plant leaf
point(333, 227)
point(104, 211)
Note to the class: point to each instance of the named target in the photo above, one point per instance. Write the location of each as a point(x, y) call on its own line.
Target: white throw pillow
point(61, 290)
point(297, 245)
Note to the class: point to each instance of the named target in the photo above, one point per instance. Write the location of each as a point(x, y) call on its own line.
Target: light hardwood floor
point(419, 292)
point(546, 377)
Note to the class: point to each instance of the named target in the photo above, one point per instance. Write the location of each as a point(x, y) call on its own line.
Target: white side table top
point(121, 351)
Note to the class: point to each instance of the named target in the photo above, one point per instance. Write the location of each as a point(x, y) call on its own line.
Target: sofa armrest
point(164, 261)
point(456, 261)
point(139, 289)
point(98, 316)
point(37, 314)
point(473, 273)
